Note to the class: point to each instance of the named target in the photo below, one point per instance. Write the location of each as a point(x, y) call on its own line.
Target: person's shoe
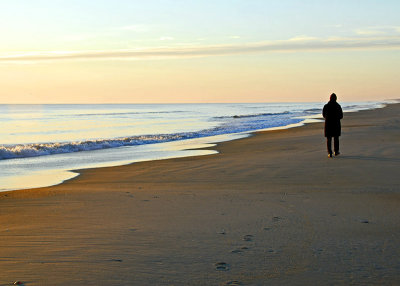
point(337, 153)
point(330, 155)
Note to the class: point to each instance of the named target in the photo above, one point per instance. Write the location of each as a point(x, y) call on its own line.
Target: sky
point(168, 51)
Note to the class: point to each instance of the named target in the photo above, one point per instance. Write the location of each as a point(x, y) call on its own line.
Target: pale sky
point(84, 51)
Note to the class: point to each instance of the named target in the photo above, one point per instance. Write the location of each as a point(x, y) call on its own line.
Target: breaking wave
point(313, 111)
point(253, 115)
point(231, 124)
point(41, 149)
point(128, 113)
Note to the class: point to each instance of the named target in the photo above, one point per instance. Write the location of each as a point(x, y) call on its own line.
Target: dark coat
point(332, 113)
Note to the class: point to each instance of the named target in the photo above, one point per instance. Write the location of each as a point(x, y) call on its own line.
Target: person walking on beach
point(332, 113)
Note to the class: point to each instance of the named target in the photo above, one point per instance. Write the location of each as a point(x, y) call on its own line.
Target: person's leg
point(329, 145)
point(336, 145)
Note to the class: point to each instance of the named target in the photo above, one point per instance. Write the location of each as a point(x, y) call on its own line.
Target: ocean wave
point(313, 110)
point(126, 113)
point(41, 149)
point(252, 115)
point(243, 123)
point(358, 107)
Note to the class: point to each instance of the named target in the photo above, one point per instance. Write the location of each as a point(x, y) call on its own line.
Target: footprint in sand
point(222, 231)
point(237, 251)
point(234, 283)
point(248, 237)
point(240, 250)
point(274, 251)
point(221, 266)
point(318, 251)
point(276, 218)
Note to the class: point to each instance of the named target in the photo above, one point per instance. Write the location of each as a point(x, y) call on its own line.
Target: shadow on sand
point(369, 158)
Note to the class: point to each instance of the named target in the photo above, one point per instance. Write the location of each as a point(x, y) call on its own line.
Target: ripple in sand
point(248, 237)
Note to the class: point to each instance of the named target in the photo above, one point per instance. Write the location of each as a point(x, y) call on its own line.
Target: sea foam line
point(41, 149)
point(234, 124)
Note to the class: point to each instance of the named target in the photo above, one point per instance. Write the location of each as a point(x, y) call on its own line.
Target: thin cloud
point(303, 38)
point(378, 30)
point(298, 44)
point(370, 32)
point(166, 38)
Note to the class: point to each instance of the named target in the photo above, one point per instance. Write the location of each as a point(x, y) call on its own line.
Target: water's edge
point(173, 150)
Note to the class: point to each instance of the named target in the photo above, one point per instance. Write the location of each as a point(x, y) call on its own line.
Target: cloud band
point(292, 45)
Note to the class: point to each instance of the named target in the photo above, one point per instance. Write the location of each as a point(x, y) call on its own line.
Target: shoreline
point(65, 174)
point(267, 209)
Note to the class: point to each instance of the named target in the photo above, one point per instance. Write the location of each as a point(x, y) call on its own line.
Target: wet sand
point(271, 209)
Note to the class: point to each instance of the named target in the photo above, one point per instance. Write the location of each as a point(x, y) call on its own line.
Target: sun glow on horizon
point(211, 51)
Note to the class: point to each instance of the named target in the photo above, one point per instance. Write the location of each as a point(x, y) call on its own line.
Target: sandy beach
point(271, 209)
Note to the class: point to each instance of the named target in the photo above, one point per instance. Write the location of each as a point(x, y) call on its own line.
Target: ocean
point(41, 144)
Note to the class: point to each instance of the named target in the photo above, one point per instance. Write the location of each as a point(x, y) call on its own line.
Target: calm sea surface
point(39, 144)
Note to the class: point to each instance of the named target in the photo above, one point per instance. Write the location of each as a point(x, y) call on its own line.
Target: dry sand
point(274, 208)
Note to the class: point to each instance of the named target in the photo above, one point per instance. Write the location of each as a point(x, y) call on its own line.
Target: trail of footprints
point(223, 266)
